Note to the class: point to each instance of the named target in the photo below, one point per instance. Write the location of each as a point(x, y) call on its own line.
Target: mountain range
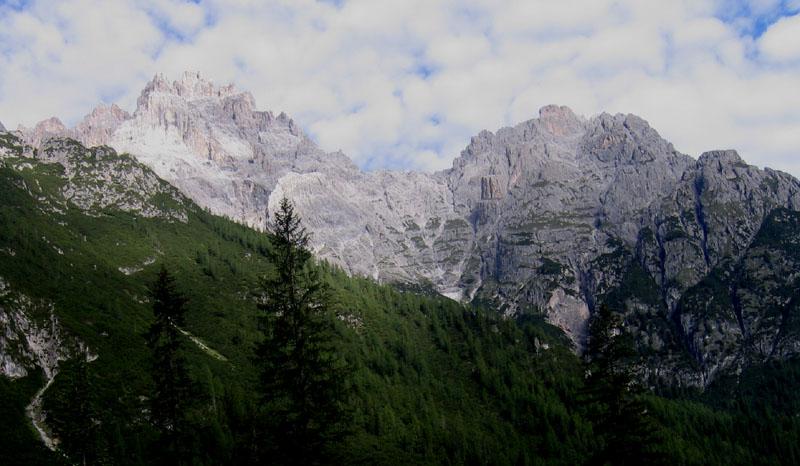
point(555, 215)
point(463, 297)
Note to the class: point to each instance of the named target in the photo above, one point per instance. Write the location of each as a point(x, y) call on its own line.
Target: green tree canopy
point(173, 386)
point(302, 377)
point(621, 421)
point(77, 424)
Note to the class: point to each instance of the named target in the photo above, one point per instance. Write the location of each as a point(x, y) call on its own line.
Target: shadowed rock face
point(558, 213)
point(2, 128)
point(564, 191)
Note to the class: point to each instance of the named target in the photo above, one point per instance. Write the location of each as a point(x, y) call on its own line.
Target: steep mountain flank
point(549, 196)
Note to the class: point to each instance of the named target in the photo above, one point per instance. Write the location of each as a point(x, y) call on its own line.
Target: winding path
point(34, 412)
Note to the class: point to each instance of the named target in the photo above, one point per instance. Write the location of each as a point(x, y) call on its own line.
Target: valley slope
point(83, 232)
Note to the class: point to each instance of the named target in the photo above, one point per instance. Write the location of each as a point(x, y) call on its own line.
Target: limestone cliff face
point(95, 129)
point(392, 226)
point(558, 213)
point(710, 259)
point(517, 220)
point(208, 141)
point(213, 145)
point(44, 130)
point(712, 215)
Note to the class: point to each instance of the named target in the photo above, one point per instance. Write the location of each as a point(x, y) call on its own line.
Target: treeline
point(431, 381)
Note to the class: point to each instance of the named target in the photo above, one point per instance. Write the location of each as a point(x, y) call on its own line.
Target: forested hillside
point(428, 380)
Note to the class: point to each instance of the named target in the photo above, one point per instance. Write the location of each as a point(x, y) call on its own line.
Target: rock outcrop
point(28, 342)
point(97, 128)
point(564, 189)
point(93, 179)
point(50, 128)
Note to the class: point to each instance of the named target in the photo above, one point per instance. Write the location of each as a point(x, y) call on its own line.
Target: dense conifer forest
point(423, 379)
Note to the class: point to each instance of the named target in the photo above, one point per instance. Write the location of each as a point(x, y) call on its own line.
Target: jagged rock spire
point(190, 87)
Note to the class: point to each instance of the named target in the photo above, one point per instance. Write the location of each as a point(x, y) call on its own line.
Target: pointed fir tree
point(302, 379)
point(76, 418)
point(616, 408)
point(173, 387)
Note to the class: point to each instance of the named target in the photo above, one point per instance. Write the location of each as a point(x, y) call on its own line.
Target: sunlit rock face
point(212, 144)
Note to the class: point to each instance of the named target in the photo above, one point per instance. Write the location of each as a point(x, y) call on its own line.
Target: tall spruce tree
point(302, 378)
point(620, 417)
point(173, 387)
point(76, 423)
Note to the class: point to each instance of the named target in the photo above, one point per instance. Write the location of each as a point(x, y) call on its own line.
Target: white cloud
point(61, 60)
point(781, 42)
point(554, 20)
point(458, 51)
point(405, 84)
point(183, 18)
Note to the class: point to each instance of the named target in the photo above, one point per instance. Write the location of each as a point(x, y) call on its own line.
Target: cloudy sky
point(405, 84)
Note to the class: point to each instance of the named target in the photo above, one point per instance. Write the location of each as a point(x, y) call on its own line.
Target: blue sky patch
point(16, 5)
point(424, 71)
point(751, 20)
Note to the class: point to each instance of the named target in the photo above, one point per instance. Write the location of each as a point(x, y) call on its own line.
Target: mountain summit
point(214, 145)
point(554, 215)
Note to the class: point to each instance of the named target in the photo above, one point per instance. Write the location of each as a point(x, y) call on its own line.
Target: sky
point(406, 84)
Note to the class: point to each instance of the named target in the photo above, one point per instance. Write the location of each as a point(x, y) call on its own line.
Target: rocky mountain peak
point(186, 102)
point(51, 125)
point(103, 111)
point(721, 159)
point(43, 130)
point(97, 127)
point(560, 121)
point(555, 127)
point(191, 86)
point(2, 128)
point(617, 140)
point(216, 146)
